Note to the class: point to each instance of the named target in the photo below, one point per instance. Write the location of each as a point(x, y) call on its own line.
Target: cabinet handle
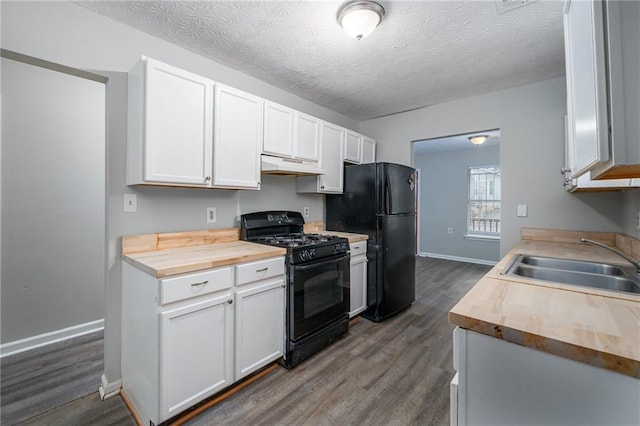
point(564, 170)
point(207, 178)
point(230, 301)
point(322, 187)
point(283, 286)
point(198, 284)
point(356, 247)
point(262, 270)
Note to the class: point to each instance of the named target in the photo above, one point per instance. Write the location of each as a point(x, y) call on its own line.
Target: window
point(483, 206)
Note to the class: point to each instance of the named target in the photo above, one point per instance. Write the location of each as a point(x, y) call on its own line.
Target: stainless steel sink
point(572, 265)
point(588, 274)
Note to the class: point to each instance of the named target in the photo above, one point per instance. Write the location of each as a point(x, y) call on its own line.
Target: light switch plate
point(522, 210)
point(130, 203)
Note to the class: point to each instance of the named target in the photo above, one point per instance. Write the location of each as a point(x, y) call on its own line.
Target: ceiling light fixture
point(478, 139)
point(360, 17)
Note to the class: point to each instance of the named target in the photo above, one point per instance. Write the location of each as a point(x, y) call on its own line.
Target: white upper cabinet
point(368, 150)
point(289, 133)
point(237, 138)
point(170, 125)
point(278, 130)
point(187, 130)
point(584, 183)
point(353, 147)
point(359, 149)
point(602, 72)
point(331, 159)
point(307, 136)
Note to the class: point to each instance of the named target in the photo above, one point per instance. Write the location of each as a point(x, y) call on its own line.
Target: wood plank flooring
point(392, 373)
point(36, 381)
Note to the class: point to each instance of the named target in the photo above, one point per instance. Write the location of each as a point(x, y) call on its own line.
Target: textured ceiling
point(423, 53)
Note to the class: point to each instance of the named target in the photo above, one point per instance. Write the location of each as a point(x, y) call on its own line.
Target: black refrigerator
point(379, 200)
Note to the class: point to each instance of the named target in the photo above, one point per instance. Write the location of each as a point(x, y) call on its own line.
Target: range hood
point(286, 166)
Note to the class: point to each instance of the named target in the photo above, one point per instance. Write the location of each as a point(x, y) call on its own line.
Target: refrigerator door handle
point(387, 195)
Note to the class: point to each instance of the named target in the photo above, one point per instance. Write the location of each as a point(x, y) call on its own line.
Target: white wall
point(444, 192)
point(531, 123)
point(74, 36)
point(53, 200)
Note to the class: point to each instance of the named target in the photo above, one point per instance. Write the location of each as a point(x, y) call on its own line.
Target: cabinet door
point(358, 285)
point(196, 349)
point(331, 158)
point(278, 130)
point(178, 125)
point(586, 84)
point(237, 140)
point(307, 137)
point(259, 325)
point(352, 147)
point(368, 150)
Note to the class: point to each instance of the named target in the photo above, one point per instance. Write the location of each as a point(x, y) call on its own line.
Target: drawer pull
point(356, 247)
point(262, 270)
point(199, 284)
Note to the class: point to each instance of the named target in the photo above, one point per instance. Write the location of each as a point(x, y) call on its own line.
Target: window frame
point(483, 235)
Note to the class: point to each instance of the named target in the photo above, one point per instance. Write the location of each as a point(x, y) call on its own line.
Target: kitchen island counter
point(596, 327)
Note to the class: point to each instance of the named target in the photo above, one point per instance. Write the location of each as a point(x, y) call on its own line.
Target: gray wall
point(443, 202)
point(531, 123)
point(631, 211)
point(71, 35)
point(53, 200)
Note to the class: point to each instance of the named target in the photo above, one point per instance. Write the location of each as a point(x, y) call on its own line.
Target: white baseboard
point(22, 345)
point(458, 258)
point(107, 390)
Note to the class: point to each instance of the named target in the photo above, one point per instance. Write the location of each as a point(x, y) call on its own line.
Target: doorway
point(459, 196)
point(53, 211)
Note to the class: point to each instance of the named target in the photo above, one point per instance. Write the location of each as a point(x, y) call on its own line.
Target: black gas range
point(317, 297)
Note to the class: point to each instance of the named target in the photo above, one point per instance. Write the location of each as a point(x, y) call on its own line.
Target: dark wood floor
point(394, 372)
point(39, 380)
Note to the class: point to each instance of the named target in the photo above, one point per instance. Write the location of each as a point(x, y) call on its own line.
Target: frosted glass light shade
point(360, 18)
point(478, 139)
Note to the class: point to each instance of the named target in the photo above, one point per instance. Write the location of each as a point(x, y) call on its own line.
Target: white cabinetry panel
point(170, 125)
point(278, 130)
point(307, 131)
point(259, 325)
point(196, 353)
point(237, 139)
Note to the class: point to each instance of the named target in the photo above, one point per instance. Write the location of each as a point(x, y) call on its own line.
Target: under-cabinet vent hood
point(285, 166)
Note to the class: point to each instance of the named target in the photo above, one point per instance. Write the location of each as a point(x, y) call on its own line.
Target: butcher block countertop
point(162, 255)
point(353, 238)
point(596, 327)
point(318, 228)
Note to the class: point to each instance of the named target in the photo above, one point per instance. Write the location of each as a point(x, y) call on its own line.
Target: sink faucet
point(635, 263)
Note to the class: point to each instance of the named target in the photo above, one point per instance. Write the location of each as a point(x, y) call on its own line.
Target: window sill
point(480, 237)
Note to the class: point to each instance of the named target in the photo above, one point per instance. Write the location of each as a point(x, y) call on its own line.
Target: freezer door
point(397, 184)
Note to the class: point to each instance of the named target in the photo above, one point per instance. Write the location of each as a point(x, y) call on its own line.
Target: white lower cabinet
point(259, 325)
point(502, 383)
point(196, 346)
point(358, 278)
point(187, 337)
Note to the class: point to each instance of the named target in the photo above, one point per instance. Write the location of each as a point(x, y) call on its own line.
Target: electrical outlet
point(449, 231)
point(130, 203)
point(211, 215)
point(522, 210)
point(638, 222)
point(306, 212)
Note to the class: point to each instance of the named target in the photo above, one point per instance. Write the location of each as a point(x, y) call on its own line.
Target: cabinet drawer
point(192, 285)
point(260, 270)
point(358, 248)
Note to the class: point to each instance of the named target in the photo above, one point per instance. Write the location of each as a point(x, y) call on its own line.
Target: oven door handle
point(321, 262)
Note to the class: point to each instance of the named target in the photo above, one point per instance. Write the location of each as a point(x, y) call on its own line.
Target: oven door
point(318, 294)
